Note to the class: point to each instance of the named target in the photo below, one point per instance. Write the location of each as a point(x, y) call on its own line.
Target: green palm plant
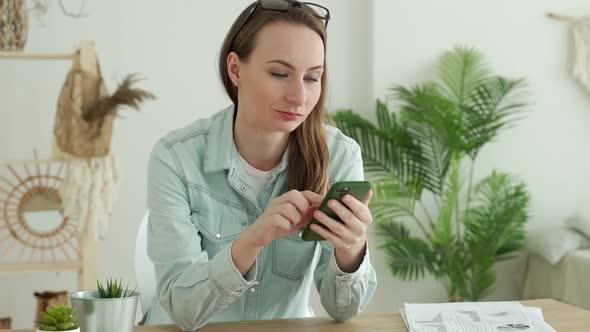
point(416, 160)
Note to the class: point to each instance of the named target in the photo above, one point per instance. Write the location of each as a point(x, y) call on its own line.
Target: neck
point(262, 150)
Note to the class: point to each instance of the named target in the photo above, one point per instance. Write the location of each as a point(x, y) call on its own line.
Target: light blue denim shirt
point(199, 203)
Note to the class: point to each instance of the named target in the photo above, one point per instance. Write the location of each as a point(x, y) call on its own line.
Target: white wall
point(174, 45)
point(373, 44)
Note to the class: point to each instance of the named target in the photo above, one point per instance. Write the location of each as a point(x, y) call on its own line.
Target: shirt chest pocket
point(218, 228)
point(292, 257)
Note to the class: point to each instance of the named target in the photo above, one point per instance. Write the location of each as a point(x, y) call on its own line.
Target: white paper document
point(473, 317)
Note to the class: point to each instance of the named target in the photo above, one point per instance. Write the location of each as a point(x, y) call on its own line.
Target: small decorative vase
point(104, 315)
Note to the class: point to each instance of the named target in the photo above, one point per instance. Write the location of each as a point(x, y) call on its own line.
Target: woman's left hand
point(348, 237)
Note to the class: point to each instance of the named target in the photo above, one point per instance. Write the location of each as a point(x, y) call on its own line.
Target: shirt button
point(218, 235)
point(243, 188)
point(252, 290)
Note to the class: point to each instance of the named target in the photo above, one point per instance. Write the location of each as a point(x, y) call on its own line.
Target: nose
point(296, 93)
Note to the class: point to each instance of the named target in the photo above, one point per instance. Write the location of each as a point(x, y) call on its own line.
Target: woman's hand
point(350, 237)
point(283, 216)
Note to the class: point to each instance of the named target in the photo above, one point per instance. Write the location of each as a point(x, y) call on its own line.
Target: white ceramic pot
point(76, 330)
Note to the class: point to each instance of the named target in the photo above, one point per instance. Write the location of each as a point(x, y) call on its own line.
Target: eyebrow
point(290, 66)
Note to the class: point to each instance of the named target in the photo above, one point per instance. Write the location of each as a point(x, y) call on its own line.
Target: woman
point(227, 195)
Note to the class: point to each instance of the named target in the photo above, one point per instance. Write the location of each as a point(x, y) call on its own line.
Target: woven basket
point(13, 25)
point(74, 135)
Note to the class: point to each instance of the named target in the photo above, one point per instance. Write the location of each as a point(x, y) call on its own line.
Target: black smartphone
point(358, 189)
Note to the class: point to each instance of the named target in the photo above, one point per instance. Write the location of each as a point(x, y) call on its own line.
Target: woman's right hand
point(284, 215)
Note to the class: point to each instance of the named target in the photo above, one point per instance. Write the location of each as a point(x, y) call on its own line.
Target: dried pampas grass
point(124, 95)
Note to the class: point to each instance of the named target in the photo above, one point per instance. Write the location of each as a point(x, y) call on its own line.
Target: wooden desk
point(562, 317)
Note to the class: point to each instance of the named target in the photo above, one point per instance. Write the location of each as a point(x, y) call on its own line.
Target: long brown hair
point(308, 152)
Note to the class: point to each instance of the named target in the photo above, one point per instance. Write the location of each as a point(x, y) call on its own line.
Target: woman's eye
point(281, 75)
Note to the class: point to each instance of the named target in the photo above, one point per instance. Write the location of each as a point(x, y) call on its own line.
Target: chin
point(286, 127)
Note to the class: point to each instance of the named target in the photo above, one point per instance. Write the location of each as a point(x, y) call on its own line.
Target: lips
point(289, 116)
point(290, 113)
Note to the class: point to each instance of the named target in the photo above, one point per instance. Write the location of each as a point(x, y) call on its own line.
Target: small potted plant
point(110, 307)
point(58, 318)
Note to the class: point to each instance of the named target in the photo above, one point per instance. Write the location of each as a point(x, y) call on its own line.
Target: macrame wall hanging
point(83, 131)
point(580, 59)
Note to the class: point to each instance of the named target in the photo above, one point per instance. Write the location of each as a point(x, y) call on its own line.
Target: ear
point(233, 67)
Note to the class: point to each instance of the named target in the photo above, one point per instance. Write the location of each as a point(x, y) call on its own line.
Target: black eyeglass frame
point(291, 5)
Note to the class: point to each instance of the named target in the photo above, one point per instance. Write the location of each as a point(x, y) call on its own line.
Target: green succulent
point(113, 289)
point(58, 318)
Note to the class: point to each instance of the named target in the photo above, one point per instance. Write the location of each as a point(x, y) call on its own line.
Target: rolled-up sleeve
point(344, 295)
point(191, 286)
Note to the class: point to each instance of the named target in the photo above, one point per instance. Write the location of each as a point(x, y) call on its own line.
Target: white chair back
point(145, 274)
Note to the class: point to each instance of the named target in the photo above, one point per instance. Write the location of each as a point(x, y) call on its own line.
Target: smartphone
point(358, 189)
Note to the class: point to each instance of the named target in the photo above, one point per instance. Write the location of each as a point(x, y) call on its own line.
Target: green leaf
point(433, 125)
point(48, 320)
point(495, 226)
point(53, 313)
point(385, 120)
point(47, 327)
point(376, 146)
point(494, 105)
point(64, 326)
point(408, 258)
point(499, 213)
point(113, 289)
point(461, 71)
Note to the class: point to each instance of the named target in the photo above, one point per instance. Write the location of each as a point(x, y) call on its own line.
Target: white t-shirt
point(257, 179)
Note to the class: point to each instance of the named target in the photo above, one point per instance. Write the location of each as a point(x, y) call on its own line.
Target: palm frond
point(384, 151)
point(376, 146)
point(386, 121)
point(452, 259)
point(494, 227)
point(443, 231)
point(498, 216)
point(460, 72)
point(493, 106)
point(434, 155)
point(430, 123)
point(408, 258)
point(393, 199)
point(482, 276)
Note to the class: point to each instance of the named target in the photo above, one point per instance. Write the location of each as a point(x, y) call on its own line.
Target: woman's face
point(281, 82)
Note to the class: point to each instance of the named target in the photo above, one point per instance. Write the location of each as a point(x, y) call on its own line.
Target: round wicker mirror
point(32, 224)
point(41, 211)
